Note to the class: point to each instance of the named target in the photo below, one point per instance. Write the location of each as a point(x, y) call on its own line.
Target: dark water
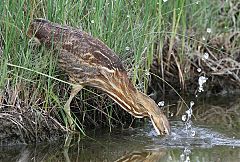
point(216, 138)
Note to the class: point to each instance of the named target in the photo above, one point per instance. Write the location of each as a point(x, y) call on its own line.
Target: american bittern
point(88, 61)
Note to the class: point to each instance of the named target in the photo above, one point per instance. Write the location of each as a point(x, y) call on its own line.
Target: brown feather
point(88, 61)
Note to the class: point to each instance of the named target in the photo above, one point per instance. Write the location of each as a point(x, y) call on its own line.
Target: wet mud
point(28, 126)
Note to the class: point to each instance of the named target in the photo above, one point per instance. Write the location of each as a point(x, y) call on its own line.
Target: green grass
point(133, 29)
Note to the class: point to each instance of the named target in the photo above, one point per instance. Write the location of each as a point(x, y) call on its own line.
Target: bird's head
point(44, 31)
point(121, 90)
point(39, 29)
point(159, 120)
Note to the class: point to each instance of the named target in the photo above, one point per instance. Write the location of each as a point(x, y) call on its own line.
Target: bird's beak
point(161, 124)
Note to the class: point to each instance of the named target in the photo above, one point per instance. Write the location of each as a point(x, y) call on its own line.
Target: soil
point(25, 126)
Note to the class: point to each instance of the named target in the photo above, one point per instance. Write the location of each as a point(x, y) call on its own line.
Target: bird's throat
point(121, 90)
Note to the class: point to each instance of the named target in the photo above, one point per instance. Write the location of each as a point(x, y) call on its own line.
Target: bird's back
point(80, 55)
point(91, 50)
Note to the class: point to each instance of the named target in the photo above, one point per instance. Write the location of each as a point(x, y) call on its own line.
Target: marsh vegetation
point(161, 43)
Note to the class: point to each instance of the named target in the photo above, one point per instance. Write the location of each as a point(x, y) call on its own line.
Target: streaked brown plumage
point(143, 156)
point(88, 61)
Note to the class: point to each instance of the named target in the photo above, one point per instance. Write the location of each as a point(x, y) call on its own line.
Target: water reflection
point(213, 141)
point(95, 154)
point(25, 153)
point(143, 156)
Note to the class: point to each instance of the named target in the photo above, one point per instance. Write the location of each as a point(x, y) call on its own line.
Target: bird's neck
point(123, 92)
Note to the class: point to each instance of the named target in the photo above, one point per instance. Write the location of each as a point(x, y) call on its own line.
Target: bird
point(143, 156)
point(89, 62)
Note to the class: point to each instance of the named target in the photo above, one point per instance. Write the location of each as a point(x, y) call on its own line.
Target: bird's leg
point(74, 91)
point(67, 143)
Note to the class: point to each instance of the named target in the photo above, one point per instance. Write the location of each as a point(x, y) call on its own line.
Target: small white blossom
point(199, 70)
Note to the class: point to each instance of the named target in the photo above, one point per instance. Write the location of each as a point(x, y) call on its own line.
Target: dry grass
point(164, 38)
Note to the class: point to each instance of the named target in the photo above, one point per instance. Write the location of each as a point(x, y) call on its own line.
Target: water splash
point(205, 55)
point(189, 131)
point(161, 103)
point(127, 48)
point(201, 81)
point(209, 30)
point(184, 157)
point(199, 70)
point(187, 119)
point(147, 73)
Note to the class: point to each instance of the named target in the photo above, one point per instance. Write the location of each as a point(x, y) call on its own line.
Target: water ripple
point(204, 137)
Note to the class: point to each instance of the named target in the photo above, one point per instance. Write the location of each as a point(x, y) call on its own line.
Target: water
point(215, 139)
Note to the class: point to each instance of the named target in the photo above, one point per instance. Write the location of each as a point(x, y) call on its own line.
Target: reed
point(135, 30)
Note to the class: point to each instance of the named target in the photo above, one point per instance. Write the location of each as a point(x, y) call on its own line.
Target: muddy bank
point(25, 126)
point(214, 136)
point(25, 153)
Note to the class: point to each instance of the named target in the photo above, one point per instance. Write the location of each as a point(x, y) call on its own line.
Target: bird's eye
point(164, 132)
